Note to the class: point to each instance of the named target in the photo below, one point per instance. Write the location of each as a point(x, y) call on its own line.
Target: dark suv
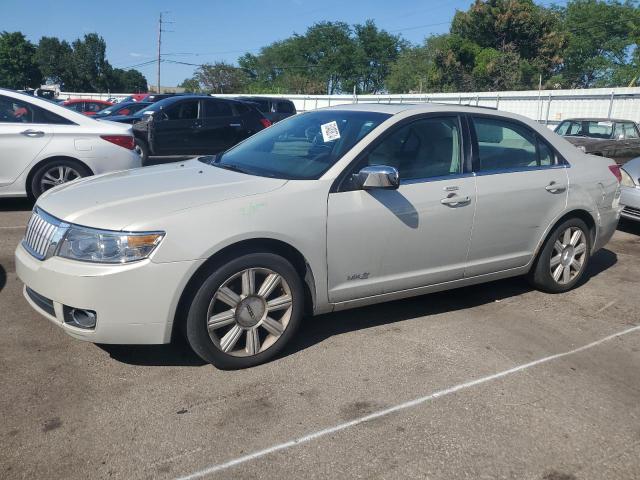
point(275, 109)
point(194, 125)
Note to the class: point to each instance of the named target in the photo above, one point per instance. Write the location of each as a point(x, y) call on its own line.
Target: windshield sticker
point(605, 124)
point(330, 131)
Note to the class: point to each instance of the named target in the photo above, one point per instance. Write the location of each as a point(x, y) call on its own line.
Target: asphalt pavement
point(491, 381)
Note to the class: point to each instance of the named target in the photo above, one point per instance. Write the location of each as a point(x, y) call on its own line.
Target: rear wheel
point(563, 259)
point(245, 311)
point(56, 172)
point(142, 149)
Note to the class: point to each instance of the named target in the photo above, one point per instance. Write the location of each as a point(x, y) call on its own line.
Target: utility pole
point(160, 30)
point(159, 47)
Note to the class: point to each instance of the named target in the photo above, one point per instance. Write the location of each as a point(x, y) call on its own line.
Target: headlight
point(626, 181)
point(103, 246)
point(583, 148)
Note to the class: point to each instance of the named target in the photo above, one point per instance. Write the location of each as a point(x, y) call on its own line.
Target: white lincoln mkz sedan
point(328, 210)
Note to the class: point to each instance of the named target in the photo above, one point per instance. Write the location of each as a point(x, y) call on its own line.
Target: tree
point(190, 85)
point(376, 50)
point(91, 69)
point(220, 77)
point(517, 29)
point(130, 81)
point(54, 59)
point(602, 43)
point(18, 68)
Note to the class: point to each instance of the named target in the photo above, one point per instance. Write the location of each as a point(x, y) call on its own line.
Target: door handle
point(235, 124)
point(454, 200)
point(553, 187)
point(32, 133)
point(196, 126)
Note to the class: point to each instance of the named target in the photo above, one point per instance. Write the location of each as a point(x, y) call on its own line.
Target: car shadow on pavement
point(175, 354)
point(317, 329)
point(15, 204)
point(3, 277)
point(629, 226)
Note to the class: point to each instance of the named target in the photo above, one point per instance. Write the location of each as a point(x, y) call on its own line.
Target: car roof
point(395, 108)
point(256, 97)
point(595, 119)
point(76, 100)
point(196, 96)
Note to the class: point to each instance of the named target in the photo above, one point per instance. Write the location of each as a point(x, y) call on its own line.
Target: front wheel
point(245, 311)
point(563, 258)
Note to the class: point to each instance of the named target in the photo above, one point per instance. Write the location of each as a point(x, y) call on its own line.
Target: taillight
point(265, 122)
point(615, 169)
point(125, 141)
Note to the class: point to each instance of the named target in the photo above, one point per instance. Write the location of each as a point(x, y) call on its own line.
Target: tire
point(142, 149)
point(251, 332)
point(549, 272)
point(56, 172)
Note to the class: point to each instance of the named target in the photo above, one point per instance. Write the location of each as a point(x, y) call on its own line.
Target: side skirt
point(414, 292)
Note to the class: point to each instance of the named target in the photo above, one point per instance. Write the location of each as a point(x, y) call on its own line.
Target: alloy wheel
point(568, 255)
point(249, 312)
point(57, 175)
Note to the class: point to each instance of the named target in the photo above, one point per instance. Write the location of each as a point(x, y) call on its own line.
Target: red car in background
point(86, 106)
point(136, 97)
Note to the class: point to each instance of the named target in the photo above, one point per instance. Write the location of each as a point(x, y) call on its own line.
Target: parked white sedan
point(43, 145)
point(324, 211)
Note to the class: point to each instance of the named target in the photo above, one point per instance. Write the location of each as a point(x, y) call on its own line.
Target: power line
point(198, 54)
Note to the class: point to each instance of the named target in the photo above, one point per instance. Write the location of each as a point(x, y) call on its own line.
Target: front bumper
point(630, 200)
point(134, 303)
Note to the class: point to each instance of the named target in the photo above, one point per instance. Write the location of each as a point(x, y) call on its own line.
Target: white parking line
point(16, 227)
point(396, 408)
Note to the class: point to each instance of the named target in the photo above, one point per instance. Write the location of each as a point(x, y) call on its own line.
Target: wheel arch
point(44, 161)
point(254, 245)
point(580, 213)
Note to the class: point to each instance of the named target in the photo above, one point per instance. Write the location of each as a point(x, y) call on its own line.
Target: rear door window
point(505, 145)
point(216, 108)
point(183, 111)
point(630, 131)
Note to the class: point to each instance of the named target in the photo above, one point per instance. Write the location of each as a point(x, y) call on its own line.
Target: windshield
point(302, 147)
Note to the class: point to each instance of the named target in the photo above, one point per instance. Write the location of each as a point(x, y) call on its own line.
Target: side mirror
point(378, 176)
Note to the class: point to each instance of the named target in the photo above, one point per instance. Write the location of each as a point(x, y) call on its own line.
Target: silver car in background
point(630, 186)
point(324, 211)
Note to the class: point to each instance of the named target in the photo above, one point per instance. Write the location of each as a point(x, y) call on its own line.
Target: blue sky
point(206, 31)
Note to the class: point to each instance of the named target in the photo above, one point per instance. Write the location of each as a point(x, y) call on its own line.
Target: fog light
point(80, 318)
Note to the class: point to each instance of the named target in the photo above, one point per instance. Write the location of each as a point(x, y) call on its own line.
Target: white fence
point(546, 106)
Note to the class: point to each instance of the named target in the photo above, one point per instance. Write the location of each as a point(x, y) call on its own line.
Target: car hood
point(116, 200)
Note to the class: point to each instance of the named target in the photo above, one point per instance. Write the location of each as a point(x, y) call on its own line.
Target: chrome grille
point(40, 233)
